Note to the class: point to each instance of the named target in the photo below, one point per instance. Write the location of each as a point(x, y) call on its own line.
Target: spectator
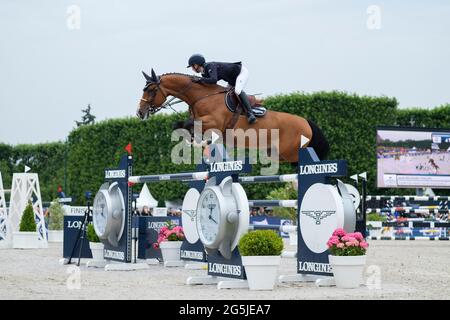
point(146, 211)
point(254, 212)
point(261, 211)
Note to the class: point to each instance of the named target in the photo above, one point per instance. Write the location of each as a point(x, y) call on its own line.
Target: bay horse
point(207, 104)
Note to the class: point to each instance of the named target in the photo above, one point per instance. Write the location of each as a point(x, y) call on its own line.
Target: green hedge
point(45, 159)
point(348, 121)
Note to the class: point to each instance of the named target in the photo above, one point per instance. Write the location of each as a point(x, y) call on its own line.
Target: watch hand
point(211, 218)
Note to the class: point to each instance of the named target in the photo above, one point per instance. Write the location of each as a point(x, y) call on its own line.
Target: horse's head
point(153, 96)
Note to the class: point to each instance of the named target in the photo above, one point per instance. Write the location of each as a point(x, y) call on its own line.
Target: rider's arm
point(211, 70)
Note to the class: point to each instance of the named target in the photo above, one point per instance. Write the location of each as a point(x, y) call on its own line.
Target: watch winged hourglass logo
point(318, 215)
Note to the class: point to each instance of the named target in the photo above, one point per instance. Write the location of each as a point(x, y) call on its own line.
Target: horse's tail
point(318, 141)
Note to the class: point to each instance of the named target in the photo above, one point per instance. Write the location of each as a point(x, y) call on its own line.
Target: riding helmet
point(196, 59)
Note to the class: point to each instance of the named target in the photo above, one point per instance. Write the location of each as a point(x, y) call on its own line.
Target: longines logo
point(226, 166)
point(111, 174)
point(318, 168)
point(318, 215)
point(157, 225)
point(111, 254)
point(195, 255)
point(221, 268)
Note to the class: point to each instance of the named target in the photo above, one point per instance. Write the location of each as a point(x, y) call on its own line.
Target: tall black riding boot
point(248, 108)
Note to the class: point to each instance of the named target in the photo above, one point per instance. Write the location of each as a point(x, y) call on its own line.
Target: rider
point(234, 73)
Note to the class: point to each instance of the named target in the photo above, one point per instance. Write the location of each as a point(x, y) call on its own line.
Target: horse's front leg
point(203, 134)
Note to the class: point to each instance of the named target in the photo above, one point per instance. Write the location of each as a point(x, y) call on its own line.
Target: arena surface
point(408, 270)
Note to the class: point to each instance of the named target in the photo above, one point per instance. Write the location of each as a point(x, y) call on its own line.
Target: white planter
point(26, 240)
point(348, 271)
point(170, 250)
point(261, 271)
point(55, 235)
point(97, 251)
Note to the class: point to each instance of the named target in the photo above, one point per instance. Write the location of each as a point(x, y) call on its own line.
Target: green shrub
point(91, 235)
point(27, 223)
point(261, 243)
point(56, 216)
point(375, 217)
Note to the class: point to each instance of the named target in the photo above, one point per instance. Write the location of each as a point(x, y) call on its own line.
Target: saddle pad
point(231, 103)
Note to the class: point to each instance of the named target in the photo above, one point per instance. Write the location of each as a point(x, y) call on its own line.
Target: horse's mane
point(190, 76)
point(179, 74)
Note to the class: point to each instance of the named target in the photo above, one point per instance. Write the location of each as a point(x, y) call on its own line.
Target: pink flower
point(340, 245)
point(163, 229)
point(177, 229)
point(353, 243)
point(339, 232)
point(180, 236)
point(168, 233)
point(357, 235)
point(348, 238)
point(333, 241)
point(364, 244)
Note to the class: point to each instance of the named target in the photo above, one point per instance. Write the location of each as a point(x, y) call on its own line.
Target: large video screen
point(413, 158)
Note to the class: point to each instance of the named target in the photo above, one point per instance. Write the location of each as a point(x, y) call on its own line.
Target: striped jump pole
point(410, 238)
point(274, 178)
point(410, 198)
point(286, 228)
point(394, 210)
point(416, 224)
point(258, 179)
point(202, 175)
point(273, 203)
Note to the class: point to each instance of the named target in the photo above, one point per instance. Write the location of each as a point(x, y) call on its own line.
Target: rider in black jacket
point(234, 73)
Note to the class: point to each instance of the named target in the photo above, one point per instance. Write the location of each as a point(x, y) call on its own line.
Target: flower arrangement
point(342, 243)
point(170, 232)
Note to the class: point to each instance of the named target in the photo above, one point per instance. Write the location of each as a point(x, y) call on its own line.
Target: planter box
point(97, 251)
point(261, 271)
point(27, 240)
point(170, 250)
point(348, 271)
point(55, 235)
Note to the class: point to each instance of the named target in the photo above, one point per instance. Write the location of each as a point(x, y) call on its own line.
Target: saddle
point(233, 102)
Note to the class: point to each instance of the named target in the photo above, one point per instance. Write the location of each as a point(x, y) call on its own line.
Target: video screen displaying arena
point(413, 158)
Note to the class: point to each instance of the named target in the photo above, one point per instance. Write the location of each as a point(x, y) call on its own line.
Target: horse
point(207, 104)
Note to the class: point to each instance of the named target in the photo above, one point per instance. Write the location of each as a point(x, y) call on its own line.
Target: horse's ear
point(154, 76)
point(147, 77)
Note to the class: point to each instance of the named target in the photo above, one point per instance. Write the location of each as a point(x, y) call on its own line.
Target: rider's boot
point(248, 108)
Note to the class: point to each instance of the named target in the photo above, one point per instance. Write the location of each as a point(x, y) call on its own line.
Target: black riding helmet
point(196, 59)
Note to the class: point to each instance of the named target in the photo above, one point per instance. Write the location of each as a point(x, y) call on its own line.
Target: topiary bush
point(56, 216)
point(27, 223)
point(261, 243)
point(91, 235)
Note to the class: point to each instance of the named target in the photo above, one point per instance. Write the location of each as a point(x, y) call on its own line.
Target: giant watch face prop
point(222, 216)
point(109, 213)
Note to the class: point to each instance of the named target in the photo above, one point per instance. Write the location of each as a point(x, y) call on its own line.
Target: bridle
point(151, 108)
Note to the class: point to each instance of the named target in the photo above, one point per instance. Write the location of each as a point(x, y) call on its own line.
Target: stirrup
point(251, 118)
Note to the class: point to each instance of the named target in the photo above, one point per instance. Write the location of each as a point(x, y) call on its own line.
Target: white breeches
point(241, 80)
